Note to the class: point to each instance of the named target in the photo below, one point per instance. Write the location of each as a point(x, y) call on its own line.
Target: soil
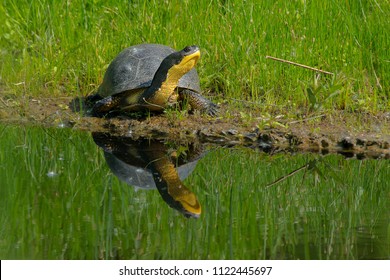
point(359, 135)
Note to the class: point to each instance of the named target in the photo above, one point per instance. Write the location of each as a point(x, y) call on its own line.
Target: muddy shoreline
point(353, 135)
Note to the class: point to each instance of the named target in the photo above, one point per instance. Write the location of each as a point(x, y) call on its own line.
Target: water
point(66, 195)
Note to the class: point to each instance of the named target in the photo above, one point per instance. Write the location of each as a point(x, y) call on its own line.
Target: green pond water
point(63, 196)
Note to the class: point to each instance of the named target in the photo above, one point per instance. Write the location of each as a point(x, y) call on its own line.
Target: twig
point(2, 100)
point(378, 84)
point(288, 175)
point(298, 64)
point(307, 119)
point(148, 103)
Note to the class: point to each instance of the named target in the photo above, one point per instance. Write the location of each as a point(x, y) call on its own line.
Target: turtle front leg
point(198, 102)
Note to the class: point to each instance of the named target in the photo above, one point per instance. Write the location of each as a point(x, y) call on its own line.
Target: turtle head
point(179, 197)
point(187, 202)
point(174, 66)
point(184, 60)
point(167, 76)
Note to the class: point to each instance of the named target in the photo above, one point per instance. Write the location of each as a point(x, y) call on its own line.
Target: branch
point(299, 65)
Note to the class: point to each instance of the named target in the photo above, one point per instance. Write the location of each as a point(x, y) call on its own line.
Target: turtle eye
point(187, 49)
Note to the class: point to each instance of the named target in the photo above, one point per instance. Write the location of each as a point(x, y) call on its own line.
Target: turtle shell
point(134, 68)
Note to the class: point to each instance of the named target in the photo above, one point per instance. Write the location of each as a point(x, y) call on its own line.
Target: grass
point(63, 48)
point(59, 200)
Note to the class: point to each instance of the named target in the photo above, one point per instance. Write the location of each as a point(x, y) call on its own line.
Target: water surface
point(61, 198)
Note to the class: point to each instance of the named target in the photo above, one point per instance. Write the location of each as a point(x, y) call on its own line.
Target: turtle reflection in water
point(148, 164)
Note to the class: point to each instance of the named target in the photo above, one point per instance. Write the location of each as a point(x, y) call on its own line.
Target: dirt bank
point(352, 134)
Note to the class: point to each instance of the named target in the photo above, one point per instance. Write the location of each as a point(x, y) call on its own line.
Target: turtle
point(151, 77)
point(150, 164)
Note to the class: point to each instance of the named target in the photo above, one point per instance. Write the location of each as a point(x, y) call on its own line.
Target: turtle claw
point(212, 110)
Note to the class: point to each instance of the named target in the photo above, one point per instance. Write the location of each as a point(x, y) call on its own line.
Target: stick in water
point(298, 64)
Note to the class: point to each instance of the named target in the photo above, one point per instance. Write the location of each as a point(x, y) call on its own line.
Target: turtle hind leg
point(92, 99)
point(198, 102)
point(117, 104)
point(105, 106)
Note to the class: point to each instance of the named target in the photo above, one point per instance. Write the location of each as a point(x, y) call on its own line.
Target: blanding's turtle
point(153, 77)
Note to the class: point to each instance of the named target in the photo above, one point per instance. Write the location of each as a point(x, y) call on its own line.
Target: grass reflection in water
point(59, 200)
